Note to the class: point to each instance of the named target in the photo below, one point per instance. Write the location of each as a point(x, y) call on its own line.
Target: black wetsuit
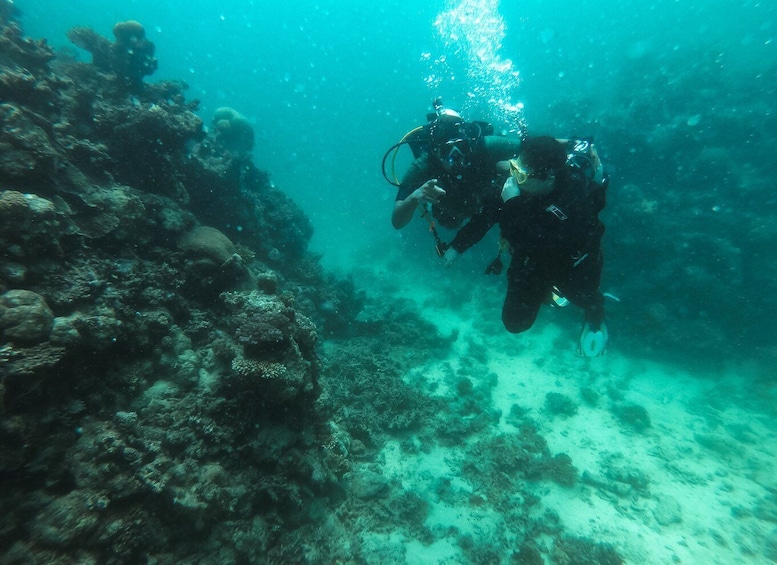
point(470, 187)
point(555, 241)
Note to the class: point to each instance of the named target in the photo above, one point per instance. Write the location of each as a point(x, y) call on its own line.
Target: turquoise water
point(330, 85)
point(680, 98)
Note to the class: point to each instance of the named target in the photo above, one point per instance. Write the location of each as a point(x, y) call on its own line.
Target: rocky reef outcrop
point(160, 320)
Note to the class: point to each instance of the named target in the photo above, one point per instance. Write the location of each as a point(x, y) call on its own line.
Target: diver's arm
point(478, 225)
point(404, 209)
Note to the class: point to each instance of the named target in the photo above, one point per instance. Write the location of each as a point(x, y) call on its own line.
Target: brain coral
point(233, 130)
point(25, 317)
point(208, 242)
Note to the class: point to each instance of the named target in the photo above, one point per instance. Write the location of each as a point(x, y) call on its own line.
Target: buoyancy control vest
point(568, 216)
point(584, 182)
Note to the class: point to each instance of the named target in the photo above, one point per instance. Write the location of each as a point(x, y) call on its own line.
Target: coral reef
point(129, 58)
point(158, 382)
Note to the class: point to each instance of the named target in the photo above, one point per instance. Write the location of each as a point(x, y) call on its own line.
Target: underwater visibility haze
point(215, 348)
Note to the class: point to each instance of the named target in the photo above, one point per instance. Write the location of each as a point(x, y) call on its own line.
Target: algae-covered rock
point(25, 317)
point(30, 225)
point(668, 511)
point(579, 551)
point(560, 404)
point(233, 130)
point(66, 520)
point(207, 242)
point(632, 415)
point(366, 484)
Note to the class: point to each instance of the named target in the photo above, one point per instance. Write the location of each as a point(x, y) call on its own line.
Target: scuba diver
point(458, 170)
point(546, 195)
point(550, 220)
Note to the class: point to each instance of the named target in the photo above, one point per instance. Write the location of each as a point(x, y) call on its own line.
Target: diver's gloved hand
point(593, 343)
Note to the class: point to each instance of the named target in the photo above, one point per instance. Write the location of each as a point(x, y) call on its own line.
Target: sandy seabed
point(701, 476)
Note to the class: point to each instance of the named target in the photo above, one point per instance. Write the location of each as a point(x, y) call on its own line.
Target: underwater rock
point(208, 242)
point(274, 355)
point(104, 211)
point(29, 361)
point(27, 154)
point(24, 72)
point(622, 481)
point(579, 551)
point(528, 554)
point(133, 54)
point(516, 415)
point(25, 318)
point(719, 443)
point(67, 520)
point(667, 511)
point(130, 392)
point(560, 404)
point(29, 220)
point(89, 40)
point(498, 462)
point(212, 265)
point(632, 415)
point(632, 476)
point(558, 469)
point(233, 131)
point(231, 194)
point(366, 484)
point(134, 134)
point(629, 475)
point(33, 234)
point(12, 274)
point(126, 420)
point(269, 379)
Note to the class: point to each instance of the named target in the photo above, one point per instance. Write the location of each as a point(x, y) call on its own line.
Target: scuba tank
point(583, 163)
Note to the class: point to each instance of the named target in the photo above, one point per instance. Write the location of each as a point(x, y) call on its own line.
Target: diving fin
point(558, 299)
point(593, 343)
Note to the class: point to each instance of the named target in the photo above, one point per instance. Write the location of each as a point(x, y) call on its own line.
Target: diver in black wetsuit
point(460, 168)
point(548, 211)
point(550, 219)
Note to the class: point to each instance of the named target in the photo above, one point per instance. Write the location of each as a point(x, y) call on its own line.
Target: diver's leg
point(526, 289)
point(581, 287)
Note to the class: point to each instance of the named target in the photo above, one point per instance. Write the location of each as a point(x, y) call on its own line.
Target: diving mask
point(452, 153)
